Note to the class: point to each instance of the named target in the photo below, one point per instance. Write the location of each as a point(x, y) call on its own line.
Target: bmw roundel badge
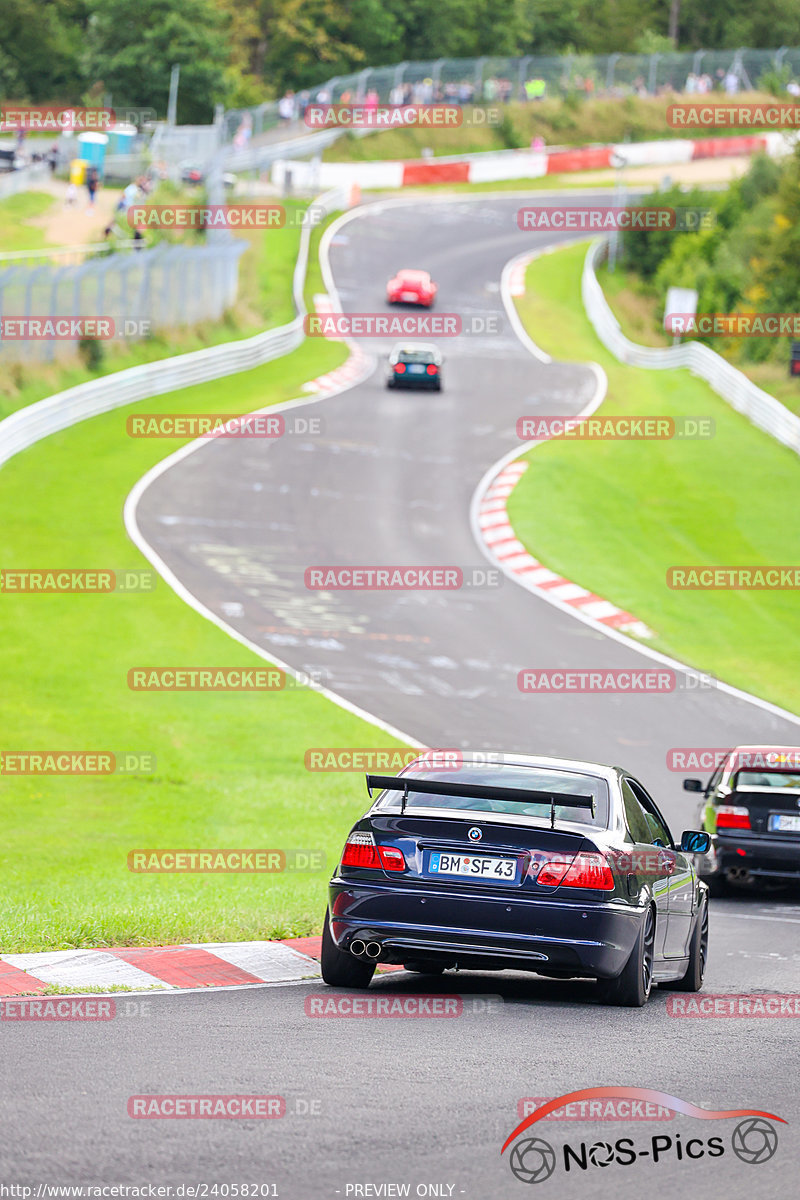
point(474, 834)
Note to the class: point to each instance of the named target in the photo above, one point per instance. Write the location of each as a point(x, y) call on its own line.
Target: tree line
point(240, 52)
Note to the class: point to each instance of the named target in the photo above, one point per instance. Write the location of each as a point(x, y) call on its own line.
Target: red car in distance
point(411, 287)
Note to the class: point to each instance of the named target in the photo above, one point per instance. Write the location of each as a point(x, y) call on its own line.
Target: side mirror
point(693, 785)
point(693, 841)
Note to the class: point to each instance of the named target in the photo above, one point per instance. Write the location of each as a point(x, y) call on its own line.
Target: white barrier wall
point(515, 164)
point(646, 154)
point(307, 176)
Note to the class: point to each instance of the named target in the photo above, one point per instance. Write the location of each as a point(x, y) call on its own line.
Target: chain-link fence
point(126, 293)
point(533, 77)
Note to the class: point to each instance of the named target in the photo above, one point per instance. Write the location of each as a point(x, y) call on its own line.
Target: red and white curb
point(516, 277)
point(165, 968)
point(503, 545)
point(357, 367)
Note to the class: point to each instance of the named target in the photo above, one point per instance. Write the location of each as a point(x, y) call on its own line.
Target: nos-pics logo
point(753, 1140)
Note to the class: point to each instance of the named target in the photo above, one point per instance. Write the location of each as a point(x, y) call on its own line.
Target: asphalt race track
point(380, 1102)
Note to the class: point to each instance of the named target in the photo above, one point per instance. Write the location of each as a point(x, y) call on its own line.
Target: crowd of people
point(500, 89)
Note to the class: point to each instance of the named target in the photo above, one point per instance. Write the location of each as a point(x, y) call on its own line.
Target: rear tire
point(692, 981)
point(632, 987)
point(340, 969)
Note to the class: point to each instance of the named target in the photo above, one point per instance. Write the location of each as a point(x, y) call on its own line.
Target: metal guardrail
point(65, 254)
point(28, 426)
point(731, 384)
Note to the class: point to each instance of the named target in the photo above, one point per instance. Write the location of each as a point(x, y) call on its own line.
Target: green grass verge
point(613, 516)
point(57, 989)
point(229, 766)
point(16, 233)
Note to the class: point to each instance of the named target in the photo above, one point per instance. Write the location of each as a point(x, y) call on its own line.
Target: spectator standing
point(286, 107)
point(92, 184)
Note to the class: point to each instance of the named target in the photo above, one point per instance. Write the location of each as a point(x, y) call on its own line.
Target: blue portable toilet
point(92, 148)
point(121, 137)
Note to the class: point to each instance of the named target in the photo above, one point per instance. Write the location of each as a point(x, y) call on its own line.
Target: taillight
point(552, 872)
point(399, 368)
point(360, 851)
point(392, 859)
point(588, 870)
point(432, 370)
point(733, 816)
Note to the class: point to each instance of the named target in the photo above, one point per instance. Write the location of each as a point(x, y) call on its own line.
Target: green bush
point(92, 353)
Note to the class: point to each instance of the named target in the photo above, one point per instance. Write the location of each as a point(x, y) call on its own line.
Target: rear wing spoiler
point(477, 791)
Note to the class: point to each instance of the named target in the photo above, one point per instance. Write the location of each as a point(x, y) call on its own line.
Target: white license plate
point(784, 822)
point(476, 866)
point(411, 297)
point(416, 369)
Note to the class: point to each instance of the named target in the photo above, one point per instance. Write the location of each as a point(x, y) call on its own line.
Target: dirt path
point(76, 224)
point(703, 170)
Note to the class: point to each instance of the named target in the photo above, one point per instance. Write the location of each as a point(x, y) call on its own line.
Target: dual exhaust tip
point(363, 949)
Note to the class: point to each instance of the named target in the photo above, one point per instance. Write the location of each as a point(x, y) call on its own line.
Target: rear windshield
point(416, 356)
point(529, 778)
point(767, 779)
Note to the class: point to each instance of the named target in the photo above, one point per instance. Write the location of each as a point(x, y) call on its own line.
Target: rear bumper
point(416, 382)
point(594, 939)
point(772, 857)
